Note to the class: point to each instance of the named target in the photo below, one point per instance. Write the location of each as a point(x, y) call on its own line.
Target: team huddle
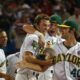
point(49, 51)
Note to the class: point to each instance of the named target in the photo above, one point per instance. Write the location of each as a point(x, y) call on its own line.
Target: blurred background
point(15, 13)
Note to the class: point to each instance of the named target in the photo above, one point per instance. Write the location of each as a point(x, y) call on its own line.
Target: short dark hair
point(38, 18)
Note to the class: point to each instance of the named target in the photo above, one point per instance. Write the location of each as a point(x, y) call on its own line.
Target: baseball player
point(51, 38)
point(53, 31)
point(63, 68)
point(43, 23)
point(3, 42)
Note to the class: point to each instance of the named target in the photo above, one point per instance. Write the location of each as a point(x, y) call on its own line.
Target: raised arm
point(28, 28)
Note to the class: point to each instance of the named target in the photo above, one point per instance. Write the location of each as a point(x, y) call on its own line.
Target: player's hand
point(21, 64)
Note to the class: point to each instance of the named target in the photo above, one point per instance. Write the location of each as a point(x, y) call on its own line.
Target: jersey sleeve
point(27, 44)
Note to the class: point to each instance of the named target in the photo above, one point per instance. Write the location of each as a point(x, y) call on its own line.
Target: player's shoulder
point(13, 55)
point(58, 43)
point(2, 52)
point(31, 37)
point(10, 56)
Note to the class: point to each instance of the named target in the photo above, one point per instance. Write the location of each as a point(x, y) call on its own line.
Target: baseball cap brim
point(63, 26)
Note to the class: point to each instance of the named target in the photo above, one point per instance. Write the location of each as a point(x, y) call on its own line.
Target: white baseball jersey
point(27, 74)
point(53, 39)
point(48, 74)
point(27, 46)
point(63, 69)
point(2, 59)
point(12, 60)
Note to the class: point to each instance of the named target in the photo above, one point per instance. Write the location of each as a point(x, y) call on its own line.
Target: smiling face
point(53, 29)
point(64, 31)
point(44, 25)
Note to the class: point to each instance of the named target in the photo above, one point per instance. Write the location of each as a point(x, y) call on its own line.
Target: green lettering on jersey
point(63, 57)
point(68, 58)
point(58, 58)
point(78, 62)
point(74, 59)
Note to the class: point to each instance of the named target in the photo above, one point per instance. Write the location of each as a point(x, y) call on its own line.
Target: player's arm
point(36, 67)
point(32, 59)
point(28, 28)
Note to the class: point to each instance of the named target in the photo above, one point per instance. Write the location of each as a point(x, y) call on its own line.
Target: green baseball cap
point(71, 23)
point(56, 19)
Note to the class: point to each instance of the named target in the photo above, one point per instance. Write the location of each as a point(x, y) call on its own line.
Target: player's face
point(3, 39)
point(64, 31)
point(53, 29)
point(44, 25)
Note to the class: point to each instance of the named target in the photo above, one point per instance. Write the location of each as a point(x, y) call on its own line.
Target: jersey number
point(75, 72)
